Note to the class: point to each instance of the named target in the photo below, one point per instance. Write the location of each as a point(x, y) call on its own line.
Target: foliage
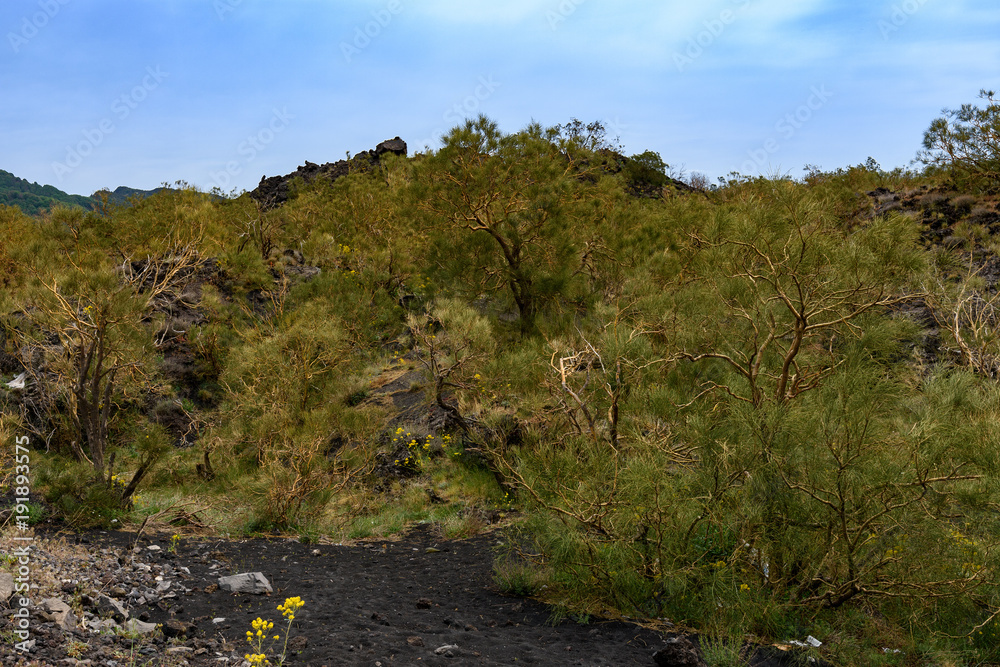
point(966, 141)
point(761, 409)
point(96, 316)
point(34, 199)
point(451, 336)
point(774, 465)
point(501, 209)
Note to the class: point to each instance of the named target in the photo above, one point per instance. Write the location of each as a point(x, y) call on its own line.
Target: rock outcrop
point(273, 191)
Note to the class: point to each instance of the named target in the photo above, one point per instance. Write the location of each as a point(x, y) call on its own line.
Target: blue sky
point(101, 93)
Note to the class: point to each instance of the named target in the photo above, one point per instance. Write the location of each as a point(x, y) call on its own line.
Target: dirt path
point(386, 603)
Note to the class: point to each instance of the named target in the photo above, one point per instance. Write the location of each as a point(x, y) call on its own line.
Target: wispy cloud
point(596, 59)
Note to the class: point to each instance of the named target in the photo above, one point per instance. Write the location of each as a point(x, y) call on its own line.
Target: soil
point(420, 600)
point(380, 603)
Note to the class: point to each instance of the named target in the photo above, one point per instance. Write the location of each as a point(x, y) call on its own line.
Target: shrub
point(503, 213)
point(964, 142)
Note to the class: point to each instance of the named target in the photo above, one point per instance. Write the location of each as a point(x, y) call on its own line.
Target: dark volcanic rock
point(679, 652)
point(273, 191)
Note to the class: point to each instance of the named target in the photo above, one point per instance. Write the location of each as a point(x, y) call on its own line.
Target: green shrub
point(963, 141)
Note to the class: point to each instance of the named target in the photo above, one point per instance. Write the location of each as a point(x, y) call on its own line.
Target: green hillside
point(33, 198)
point(766, 409)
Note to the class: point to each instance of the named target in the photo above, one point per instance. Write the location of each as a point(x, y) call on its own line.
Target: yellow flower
point(290, 607)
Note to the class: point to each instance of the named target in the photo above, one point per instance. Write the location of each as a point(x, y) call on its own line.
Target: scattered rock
point(414, 641)
point(253, 583)
point(424, 603)
point(273, 191)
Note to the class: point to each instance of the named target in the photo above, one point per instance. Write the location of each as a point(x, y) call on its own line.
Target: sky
point(218, 93)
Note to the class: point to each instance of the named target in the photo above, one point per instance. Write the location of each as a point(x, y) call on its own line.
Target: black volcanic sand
point(381, 603)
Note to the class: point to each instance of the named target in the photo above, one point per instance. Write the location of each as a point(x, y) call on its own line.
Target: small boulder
point(448, 650)
point(395, 145)
point(102, 626)
point(253, 583)
point(140, 628)
point(108, 606)
point(57, 611)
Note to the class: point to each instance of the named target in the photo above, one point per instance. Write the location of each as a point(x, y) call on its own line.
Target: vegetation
point(764, 410)
point(33, 198)
point(966, 141)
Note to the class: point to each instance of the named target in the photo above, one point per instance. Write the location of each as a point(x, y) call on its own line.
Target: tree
point(450, 337)
point(787, 283)
point(502, 207)
point(967, 142)
point(96, 313)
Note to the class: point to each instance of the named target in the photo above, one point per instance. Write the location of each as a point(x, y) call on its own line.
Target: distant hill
point(33, 198)
point(122, 194)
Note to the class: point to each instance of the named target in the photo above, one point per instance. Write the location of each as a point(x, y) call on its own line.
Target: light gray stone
point(6, 586)
point(138, 627)
point(254, 583)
